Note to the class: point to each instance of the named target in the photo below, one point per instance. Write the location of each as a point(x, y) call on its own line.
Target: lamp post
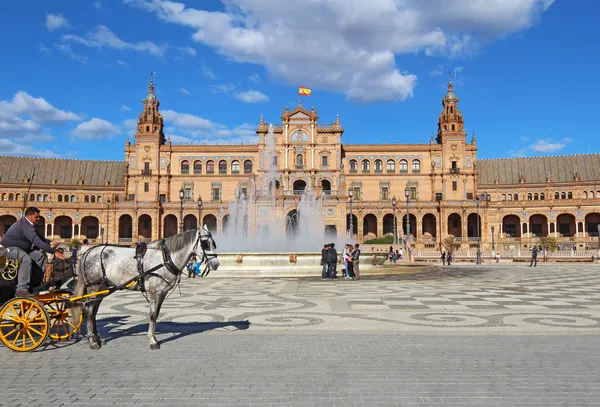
point(407, 234)
point(351, 223)
point(493, 247)
point(478, 198)
point(199, 212)
point(181, 196)
point(394, 203)
point(107, 219)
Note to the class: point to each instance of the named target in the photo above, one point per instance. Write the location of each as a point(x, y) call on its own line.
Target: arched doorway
point(145, 227)
point(299, 186)
point(388, 224)
point(592, 220)
point(539, 225)
point(210, 221)
point(170, 226)
point(326, 186)
point(190, 222)
point(370, 226)
point(226, 224)
point(566, 225)
point(291, 222)
point(473, 227)
point(63, 227)
point(6, 222)
point(511, 226)
point(455, 225)
point(90, 227)
point(330, 232)
point(429, 225)
point(413, 225)
point(354, 225)
point(125, 228)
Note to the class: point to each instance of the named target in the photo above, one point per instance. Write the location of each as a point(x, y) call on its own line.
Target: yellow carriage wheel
point(62, 325)
point(24, 324)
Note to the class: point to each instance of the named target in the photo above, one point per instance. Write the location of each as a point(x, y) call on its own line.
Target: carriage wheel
point(62, 325)
point(23, 324)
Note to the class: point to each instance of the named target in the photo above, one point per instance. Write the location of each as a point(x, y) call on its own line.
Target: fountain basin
point(299, 264)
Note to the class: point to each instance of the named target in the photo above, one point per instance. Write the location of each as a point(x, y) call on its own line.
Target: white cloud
point(224, 88)
point(125, 108)
point(97, 5)
point(9, 147)
point(123, 63)
point(56, 22)
point(180, 139)
point(44, 48)
point(185, 91)
point(103, 37)
point(37, 109)
point(187, 51)
point(206, 71)
point(549, 146)
point(348, 46)
point(66, 49)
point(187, 121)
point(95, 129)
point(252, 96)
point(437, 71)
point(255, 78)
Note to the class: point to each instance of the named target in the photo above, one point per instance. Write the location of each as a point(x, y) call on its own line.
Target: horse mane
point(174, 243)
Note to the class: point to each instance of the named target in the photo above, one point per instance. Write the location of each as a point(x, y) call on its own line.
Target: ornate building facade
point(442, 186)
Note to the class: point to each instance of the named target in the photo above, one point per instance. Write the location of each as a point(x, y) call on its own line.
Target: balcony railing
point(454, 170)
point(146, 172)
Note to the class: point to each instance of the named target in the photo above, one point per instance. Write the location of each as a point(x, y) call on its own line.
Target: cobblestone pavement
point(465, 335)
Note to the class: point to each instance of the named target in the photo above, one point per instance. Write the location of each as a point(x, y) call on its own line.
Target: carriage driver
point(25, 244)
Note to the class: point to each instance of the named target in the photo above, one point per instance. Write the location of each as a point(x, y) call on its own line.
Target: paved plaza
point(498, 335)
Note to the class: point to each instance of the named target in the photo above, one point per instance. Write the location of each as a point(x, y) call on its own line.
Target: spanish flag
point(302, 91)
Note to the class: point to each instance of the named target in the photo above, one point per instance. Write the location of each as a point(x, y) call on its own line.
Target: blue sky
point(74, 73)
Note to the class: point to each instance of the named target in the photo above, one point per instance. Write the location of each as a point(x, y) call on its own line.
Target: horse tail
point(77, 307)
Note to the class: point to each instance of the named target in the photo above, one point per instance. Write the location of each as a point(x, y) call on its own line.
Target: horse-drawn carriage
point(26, 322)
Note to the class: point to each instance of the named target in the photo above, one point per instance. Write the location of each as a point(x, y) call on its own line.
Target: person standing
point(534, 253)
point(324, 262)
point(356, 262)
point(345, 254)
point(443, 257)
point(350, 262)
point(449, 257)
point(332, 260)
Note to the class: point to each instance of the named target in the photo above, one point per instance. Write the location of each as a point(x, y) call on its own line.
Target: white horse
point(154, 273)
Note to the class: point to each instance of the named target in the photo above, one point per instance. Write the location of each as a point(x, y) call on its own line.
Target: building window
point(162, 198)
point(356, 193)
point(453, 127)
point(529, 196)
point(216, 194)
point(366, 165)
point(188, 194)
point(542, 196)
point(503, 197)
point(390, 165)
point(299, 161)
point(244, 192)
point(197, 167)
point(454, 185)
point(510, 197)
point(385, 193)
point(438, 161)
point(146, 187)
point(99, 198)
point(403, 166)
point(378, 166)
point(247, 167)
point(563, 195)
point(132, 163)
point(163, 162)
point(469, 195)
point(131, 197)
point(535, 197)
point(210, 167)
point(556, 195)
point(235, 167)
point(439, 196)
point(416, 166)
point(185, 167)
point(222, 167)
point(324, 160)
point(570, 195)
point(413, 193)
point(46, 198)
point(454, 168)
point(353, 166)
point(584, 194)
point(10, 198)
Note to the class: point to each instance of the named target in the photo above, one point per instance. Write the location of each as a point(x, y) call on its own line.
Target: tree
point(449, 243)
point(548, 244)
point(74, 243)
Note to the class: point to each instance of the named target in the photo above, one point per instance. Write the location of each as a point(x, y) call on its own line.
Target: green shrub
point(388, 239)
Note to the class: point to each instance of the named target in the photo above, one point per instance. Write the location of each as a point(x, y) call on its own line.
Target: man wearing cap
point(25, 244)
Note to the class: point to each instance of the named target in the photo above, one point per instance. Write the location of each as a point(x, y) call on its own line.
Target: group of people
point(394, 255)
point(194, 267)
point(446, 257)
point(350, 258)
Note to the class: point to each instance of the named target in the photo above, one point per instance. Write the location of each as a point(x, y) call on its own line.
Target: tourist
point(324, 262)
point(400, 254)
point(391, 254)
point(345, 254)
point(332, 260)
point(449, 257)
point(356, 262)
point(443, 257)
point(349, 262)
point(397, 255)
point(534, 253)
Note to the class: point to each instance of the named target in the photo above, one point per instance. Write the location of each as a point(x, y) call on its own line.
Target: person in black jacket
point(332, 260)
point(324, 262)
point(25, 244)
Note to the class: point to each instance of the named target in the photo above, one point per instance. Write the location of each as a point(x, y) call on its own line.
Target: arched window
point(300, 160)
point(451, 109)
point(99, 199)
point(86, 199)
point(504, 197)
point(210, 167)
point(73, 198)
point(4, 197)
point(510, 197)
point(235, 167)
point(542, 196)
point(353, 165)
point(416, 166)
point(584, 194)
point(222, 167)
point(516, 197)
point(529, 196)
point(247, 167)
point(563, 195)
point(18, 197)
point(570, 195)
point(391, 165)
point(93, 198)
point(403, 166)
point(66, 198)
point(185, 167)
point(556, 195)
point(378, 165)
point(59, 198)
point(453, 127)
point(46, 198)
point(535, 197)
point(366, 165)
point(197, 167)
point(32, 197)
point(39, 198)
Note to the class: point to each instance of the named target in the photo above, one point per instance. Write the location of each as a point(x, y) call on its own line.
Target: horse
point(154, 273)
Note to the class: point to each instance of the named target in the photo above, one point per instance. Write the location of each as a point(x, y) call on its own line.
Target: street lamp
point(181, 196)
point(107, 219)
point(407, 195)
point(199, 212)
point(478, 199)
point(493, 248)
point(394, 203)
point(351, 224)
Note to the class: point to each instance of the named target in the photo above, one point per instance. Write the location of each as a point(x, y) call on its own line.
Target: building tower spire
point(450, 121)
point(150, 121)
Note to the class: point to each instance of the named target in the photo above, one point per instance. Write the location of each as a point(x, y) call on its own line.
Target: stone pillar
point(556, 229)
point(72, 230)
point(583, 231)
point(52, 229)
point(419, 228)
point(359, 220)
point(379, 226)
